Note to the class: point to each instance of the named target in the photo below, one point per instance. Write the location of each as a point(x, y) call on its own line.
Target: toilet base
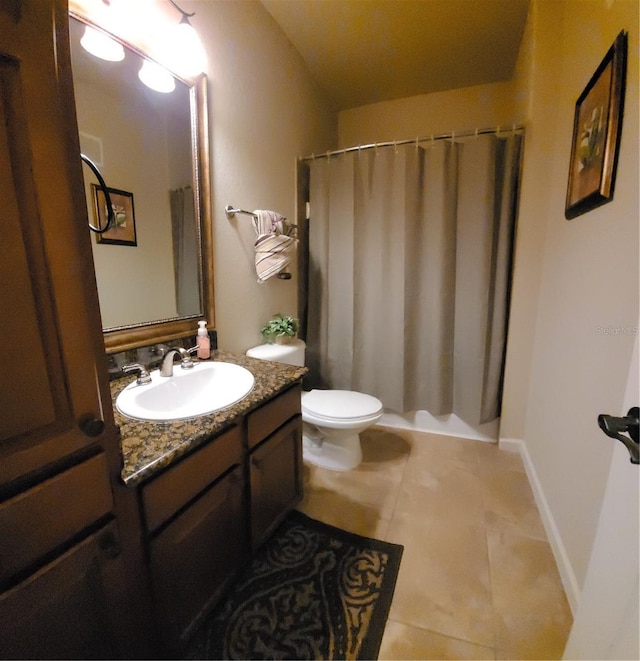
point(344, 455)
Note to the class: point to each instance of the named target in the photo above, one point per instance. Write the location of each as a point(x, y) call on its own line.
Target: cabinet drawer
point(273, 414)
point(35, 522)
point(173, 489)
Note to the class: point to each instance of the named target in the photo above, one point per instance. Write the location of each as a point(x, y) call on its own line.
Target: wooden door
point(55, 405)
point(50, 326)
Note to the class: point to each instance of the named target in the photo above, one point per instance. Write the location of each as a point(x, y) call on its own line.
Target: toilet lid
point(340, 404)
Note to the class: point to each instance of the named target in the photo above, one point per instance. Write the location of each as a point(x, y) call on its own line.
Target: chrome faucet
point(185, 355)
point(143, 374)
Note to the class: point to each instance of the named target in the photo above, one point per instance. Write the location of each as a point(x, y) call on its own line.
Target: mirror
point(154, 268)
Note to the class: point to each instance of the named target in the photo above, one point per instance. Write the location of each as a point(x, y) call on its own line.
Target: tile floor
point(478, 579)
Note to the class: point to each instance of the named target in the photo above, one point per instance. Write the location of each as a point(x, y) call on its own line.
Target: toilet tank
point(291, 353)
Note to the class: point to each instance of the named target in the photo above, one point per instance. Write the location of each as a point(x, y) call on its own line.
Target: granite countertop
point(150, 446)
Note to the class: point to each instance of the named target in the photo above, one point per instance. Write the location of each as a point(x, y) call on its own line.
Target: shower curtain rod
point(416, 141)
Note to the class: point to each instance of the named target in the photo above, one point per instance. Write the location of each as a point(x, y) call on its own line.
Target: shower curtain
point(410, 252)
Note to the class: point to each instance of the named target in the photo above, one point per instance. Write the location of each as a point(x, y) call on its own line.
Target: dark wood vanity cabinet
point(69, 560)
point(208, 512)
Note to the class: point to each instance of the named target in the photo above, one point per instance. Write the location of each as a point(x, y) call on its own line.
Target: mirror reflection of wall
point(141, 141)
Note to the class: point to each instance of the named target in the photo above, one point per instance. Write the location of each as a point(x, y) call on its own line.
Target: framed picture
point(596, 134)
point(123, 230)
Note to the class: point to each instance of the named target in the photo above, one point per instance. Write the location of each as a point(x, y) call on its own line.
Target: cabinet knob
point(92, 427)
point(109, 545)
point(258, 463)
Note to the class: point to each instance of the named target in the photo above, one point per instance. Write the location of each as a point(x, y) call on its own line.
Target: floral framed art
point(123, 229)
point(596, 134)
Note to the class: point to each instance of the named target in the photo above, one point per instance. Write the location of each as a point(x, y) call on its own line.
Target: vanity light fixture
point(188, 56)
point(101, 45)
point(156, 77)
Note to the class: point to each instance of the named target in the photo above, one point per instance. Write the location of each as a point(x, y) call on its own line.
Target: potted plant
point(280, 329)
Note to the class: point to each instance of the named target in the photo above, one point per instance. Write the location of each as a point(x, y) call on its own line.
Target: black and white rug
point(313, 591)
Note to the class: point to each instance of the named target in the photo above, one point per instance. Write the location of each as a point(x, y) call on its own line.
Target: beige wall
point(481, 106)
point(264, 113)
point(575, 296)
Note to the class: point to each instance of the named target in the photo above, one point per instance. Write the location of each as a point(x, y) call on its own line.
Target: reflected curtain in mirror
point(185, 250)
point(410, 253)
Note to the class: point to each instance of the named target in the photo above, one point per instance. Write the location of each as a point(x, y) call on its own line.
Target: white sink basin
point(203, 389)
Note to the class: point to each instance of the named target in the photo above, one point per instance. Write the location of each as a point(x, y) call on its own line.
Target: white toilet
point(332, 419)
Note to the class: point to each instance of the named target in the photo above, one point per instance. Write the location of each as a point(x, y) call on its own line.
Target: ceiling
point(365, 51)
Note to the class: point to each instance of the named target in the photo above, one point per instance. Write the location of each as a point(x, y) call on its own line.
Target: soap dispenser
point(203, 342)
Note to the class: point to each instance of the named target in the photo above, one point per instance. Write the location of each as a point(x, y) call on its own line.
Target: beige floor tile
point(490, 456)
point(524, 631)
point(363, 485)
point(382, 448)
point(447, 452)
point(401, 641)
point(532, 615)
point(326, 504)
point(477, 573)
point(443, 584)
point(432, 493)
point(520, 563)
point(509, 503)
point(348, 515)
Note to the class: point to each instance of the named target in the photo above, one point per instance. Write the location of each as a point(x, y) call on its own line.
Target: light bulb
point(156, 77)
point(101, 45)
point(188, 56)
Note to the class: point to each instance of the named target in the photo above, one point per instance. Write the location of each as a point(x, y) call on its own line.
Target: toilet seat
point(340, 405)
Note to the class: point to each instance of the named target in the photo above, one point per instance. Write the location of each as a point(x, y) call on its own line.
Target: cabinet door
point(55, 402)
point(60, 612)
point(276, 479)
point(50, 401)
point(196, 555)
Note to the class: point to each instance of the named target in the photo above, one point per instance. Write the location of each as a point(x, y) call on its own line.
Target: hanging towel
point(276, 238)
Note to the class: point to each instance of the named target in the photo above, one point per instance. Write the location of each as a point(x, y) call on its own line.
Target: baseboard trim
point(567, 575)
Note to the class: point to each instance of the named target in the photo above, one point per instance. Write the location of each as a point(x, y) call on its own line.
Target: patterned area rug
point(312, 592)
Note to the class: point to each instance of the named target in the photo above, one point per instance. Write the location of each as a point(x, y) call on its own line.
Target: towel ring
point(107, 197)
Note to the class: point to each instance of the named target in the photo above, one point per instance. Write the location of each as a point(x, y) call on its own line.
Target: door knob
point(616, 427)
point(92, 427)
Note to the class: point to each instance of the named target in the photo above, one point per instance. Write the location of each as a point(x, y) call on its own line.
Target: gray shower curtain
point(185, 251)
point(410, 252)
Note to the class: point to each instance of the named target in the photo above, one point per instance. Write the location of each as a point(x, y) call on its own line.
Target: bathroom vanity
point(115, 535)
point(211, 490)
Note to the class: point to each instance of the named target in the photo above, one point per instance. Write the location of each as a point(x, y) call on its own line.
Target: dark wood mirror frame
point(127, 337)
